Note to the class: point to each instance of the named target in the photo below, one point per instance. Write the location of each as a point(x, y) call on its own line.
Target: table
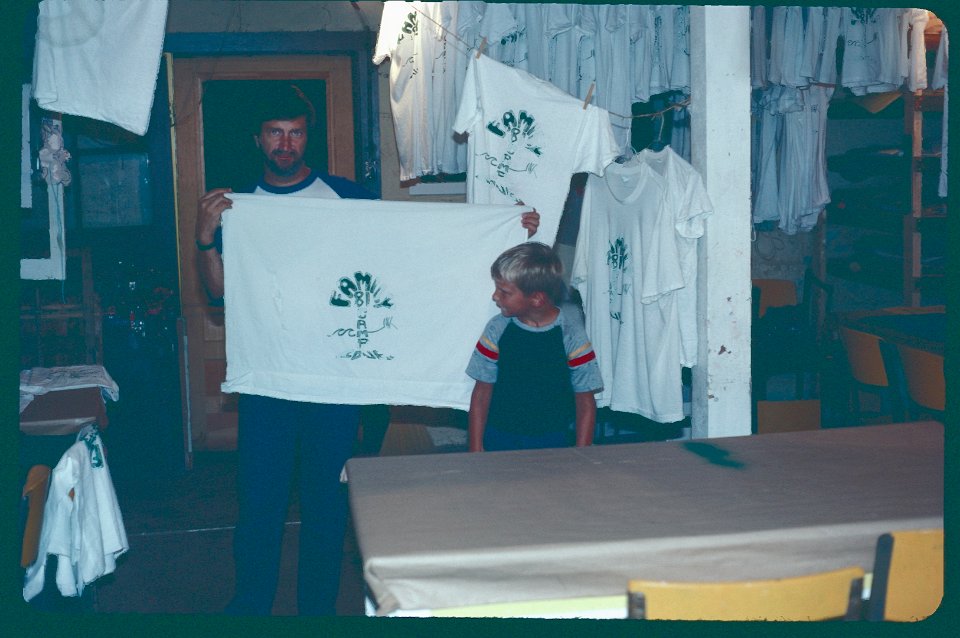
point(64, 412)
point(923, 327)
point(452, 530)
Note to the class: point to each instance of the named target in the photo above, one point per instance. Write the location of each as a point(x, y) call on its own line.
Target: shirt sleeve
point(391, 25)
point(483, 361)
point(596, 147)
point(581, 359)
point(468, 111)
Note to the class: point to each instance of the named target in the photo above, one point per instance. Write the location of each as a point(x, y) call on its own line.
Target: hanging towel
point(85, 532)
point(99, 59)
point(358, 302)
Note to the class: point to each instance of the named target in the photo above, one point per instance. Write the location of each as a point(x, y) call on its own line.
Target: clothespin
point(483, 43)
point(586, 100)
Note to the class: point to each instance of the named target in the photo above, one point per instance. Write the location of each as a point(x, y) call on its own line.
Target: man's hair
point(532, 267)
point(282, 101)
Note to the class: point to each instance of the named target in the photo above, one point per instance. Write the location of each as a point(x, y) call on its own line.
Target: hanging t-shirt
point(99, 59)
point(871, 55)
point(635, 268)
point(358, 301)
point(527, 139)
point(803, 188)
point(612, 63)
point(913, 49)
point(563, 27)
point(425, 73)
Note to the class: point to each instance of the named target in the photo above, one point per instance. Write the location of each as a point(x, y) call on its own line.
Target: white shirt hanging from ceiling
point(99, 59)
point(636, 270)
point(426, 71)
point(871, 56)
point(527, 139)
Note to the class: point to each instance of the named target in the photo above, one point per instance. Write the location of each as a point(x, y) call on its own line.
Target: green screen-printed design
point(617, 257)
point(363, 293)
point(91, 439)
point(519, 130)
point(410, 26)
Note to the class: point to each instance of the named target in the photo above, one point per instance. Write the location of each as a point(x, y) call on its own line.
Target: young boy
point(535, 370)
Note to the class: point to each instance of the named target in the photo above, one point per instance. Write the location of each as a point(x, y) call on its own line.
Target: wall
point(251, 16)
point(206, 16)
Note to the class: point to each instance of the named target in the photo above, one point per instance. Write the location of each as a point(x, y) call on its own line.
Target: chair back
point(818, 300)
point(35, 491)
point(788, 416)
point(923, 371)
point(864, 357)
point(775, 293)
point(820, 596)
point(907, 575)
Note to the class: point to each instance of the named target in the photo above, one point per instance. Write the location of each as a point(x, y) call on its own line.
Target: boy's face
point(512, 301)
point(283, 143)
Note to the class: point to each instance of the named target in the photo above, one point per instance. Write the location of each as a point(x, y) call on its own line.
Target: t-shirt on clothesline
point(359, 302)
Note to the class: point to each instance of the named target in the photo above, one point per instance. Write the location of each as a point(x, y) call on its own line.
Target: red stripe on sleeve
point(582, 359)
point(487, 352)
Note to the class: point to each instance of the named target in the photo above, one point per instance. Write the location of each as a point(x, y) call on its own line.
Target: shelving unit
point(925, 208)
point(60, 323)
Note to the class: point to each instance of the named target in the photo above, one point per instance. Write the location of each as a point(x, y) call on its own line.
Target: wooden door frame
point(198, 59)
point(357, 46)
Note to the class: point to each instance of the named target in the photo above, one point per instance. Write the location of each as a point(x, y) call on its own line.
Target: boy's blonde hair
point(532, 267)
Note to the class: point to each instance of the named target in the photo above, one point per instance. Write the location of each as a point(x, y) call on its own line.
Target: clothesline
point(479, 51)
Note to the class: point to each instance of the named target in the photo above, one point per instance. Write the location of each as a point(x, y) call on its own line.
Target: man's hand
point(530, 221)
point(212, 205)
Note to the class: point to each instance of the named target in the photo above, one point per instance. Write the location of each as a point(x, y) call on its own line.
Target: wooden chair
point(35, 493)
point(907, 575)
point(787, 334)
point(925, 381)
point(788, 416)
point(774, 293)
point(866, 366)
point(820, 596)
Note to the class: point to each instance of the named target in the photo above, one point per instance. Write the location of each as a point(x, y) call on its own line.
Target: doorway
point(214, 148)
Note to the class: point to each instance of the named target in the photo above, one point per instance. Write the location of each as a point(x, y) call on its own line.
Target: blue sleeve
point(346, 188)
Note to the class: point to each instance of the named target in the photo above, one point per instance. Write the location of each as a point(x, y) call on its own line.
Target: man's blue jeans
point(271, 432)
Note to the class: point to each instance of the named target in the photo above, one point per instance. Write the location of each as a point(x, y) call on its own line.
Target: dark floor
point(186, 528)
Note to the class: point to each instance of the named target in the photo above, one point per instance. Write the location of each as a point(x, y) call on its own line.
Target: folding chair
point(907, 575)
point(820, 596)
point(869, 373)
point(788, 416)
point(925, 381)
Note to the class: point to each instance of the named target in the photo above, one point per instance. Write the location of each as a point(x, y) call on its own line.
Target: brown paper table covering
point(451, 530)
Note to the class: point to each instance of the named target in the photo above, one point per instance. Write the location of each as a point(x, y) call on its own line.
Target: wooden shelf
point(68, 333)
point(924, 166)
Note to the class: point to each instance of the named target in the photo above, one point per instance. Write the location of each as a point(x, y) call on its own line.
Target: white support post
point(720, 143)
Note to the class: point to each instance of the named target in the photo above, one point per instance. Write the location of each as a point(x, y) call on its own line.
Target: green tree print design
point(364, 293)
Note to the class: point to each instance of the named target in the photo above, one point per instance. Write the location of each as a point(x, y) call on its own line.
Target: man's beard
point(284, 170)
